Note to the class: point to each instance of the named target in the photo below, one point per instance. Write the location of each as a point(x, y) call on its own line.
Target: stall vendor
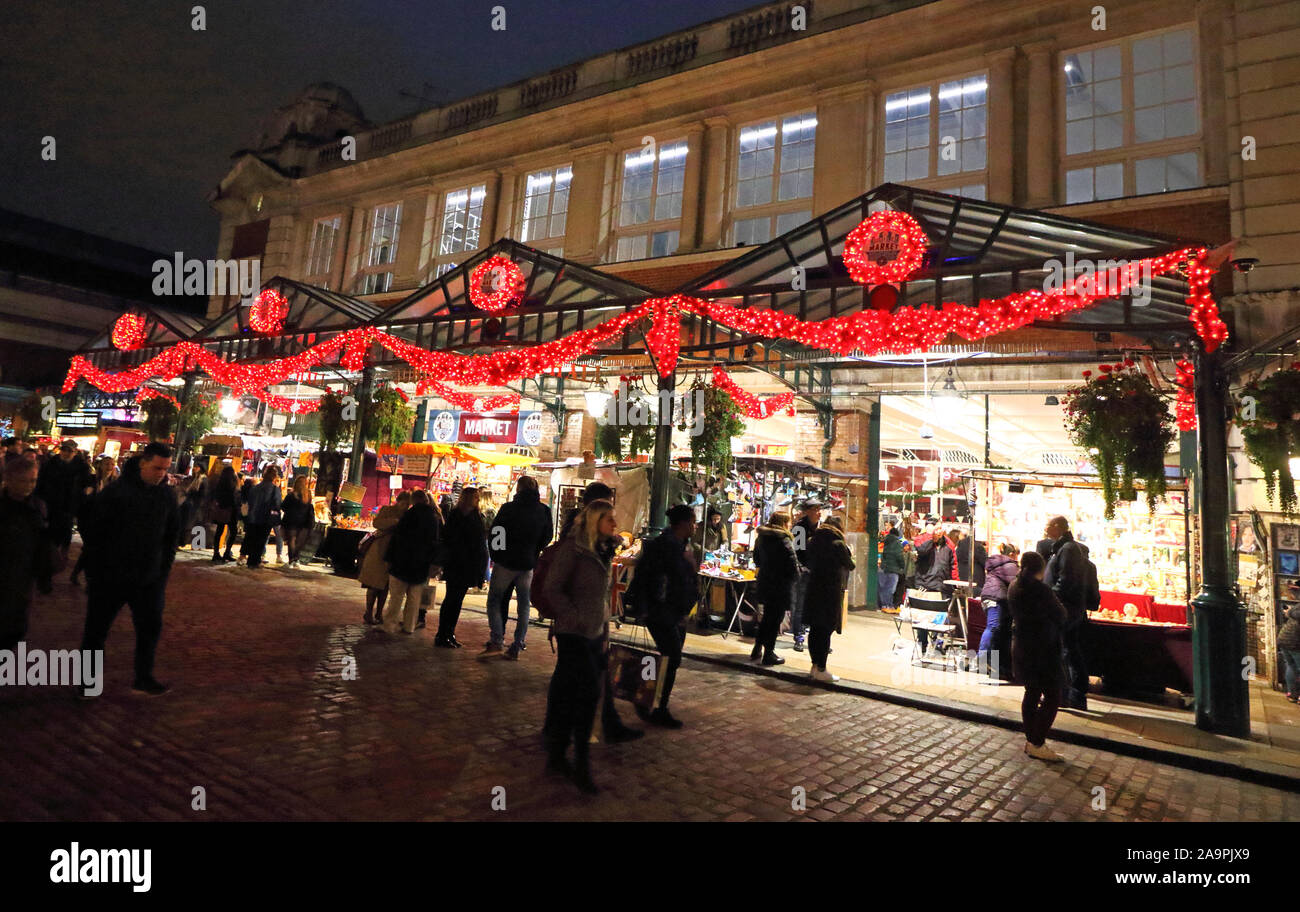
point(716, 534)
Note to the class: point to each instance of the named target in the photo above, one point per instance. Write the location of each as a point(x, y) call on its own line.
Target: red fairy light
point(1185, 405)
point(751, 406)
point(146, 393)
point(468, 401)
point(868, 248)
point(268, 312)
point(128, 332)
point(506, 280)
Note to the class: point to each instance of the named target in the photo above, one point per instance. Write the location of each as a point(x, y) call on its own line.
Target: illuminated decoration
point(1205, 312)
point(1185, 405)
point(128, 332)
point(268, 312)
point(147, 393)
point(885, 248)
point(468, 401)
point(283, 404)
point(751, 406)
point(505, 279)
point(883, 297)
point(663, 338)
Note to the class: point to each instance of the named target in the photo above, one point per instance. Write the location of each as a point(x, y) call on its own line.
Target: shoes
point(511, 654)
point(773, 659)
point(582, 779)
point(756, 653)
point(368, 619)
point(419, 625)
point(623, 734)
point(798, 644)
point(1294, 698)
point(821, 674)
point(558, 765)
point(663, 718)
point(150, 687)
point(1043, 752)
point(489, 646)
point(889, 611)
point(456, 644)
point(442, 642)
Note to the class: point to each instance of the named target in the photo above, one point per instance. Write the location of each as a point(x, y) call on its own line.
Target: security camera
point(926, 432)
point(1244, 257)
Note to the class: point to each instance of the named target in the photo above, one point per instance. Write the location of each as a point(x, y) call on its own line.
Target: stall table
point(736, 586)
point(340, 548)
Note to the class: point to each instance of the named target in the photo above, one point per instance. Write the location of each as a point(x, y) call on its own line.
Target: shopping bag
point(636, 674)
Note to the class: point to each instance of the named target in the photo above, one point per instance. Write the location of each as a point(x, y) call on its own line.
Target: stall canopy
point(457, 451)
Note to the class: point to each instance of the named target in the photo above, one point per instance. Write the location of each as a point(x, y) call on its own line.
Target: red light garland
point(750, 405)
point(268, 312)
point(128, 332)
point(878, 233)
point(507, 281)
point(663, 338)
point(1205, 312)
point(1185, 405)
point(147, 393)
point(468, 401)
point(283, 404)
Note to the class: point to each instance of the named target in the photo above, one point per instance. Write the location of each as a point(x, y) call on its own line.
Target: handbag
point(630, 675)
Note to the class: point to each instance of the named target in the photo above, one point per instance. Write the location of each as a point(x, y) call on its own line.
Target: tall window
point(546, 206)
point(376, 274)
point(936, 132)
point(320, 248)
point(458, 233)
point(650, 202)
point(774, 177)
point(1131, 123)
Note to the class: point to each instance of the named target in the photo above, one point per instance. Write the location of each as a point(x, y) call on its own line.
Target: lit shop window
point(774, 177)
point(320, 248)
point(937, 130)
point(462, 220)
point(546, 205)
point(1130, 117)
point(381, 249)
point(650, 201)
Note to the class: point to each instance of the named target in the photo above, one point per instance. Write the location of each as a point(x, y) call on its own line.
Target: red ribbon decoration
point(750, 406)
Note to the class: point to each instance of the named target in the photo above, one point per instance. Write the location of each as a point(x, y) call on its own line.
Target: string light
point(128, 332)
point(879, 233)
point(507, 283)
point(1185, 405)
point(468, 401)
point(1205, 312)
point(750, 405)
point(268, 312)
point(148, 392)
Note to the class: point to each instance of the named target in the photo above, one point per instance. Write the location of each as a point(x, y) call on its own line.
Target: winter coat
point(413, 547)
point(939, 567)
point(1067, 574)
point(61, 486)
point(464, 551)
point(1000, 573)
point(130, 532)
point(28, 555)
point(891, 558)
point(1037, 616)
point(809, 530)
point(297, 514)
point(778, 568)
point(829, 563)
point(523, 527)
point(716, 539)
point(1091, 588)
point(667, 588)
point(263, 501)
point(577, 587)
point(962, 557)
point(1288, 637)
point(374, 562)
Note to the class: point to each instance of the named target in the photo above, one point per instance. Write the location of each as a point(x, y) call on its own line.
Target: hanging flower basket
point(1269, 417)
point(1123, 423)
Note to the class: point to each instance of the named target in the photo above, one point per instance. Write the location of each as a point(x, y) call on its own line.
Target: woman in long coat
point(778, 570)
point(829, 563)
point(464, 563)
point(374, 563)
point(1037, 616)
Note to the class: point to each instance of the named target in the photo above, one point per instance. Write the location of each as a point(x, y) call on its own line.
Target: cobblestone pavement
point(262, 718)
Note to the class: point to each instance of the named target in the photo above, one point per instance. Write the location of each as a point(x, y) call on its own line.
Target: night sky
point(146, 111)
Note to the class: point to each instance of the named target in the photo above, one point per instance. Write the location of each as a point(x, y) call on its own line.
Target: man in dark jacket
point(892, 566)
point(937, 553)
point(802, 533)
point(1067, 575)
point(131, 536)
point(410, 553)
point(25, 550)
point(667, 591)
point(962, 556)
point(264, 503)
point(521, 529)
point(61, 485)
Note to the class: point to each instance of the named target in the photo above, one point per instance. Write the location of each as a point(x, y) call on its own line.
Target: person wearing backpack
point(522, 528)
point(577, 592)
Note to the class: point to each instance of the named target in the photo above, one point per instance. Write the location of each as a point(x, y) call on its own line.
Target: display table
point(736, 586)
point(340, 548)
point(1147, 606)
point(1141, 658)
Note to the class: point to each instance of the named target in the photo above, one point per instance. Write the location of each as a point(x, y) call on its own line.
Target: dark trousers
point(229, 528)
point(449, 615)
point(573, 695)
point(295, 538)
point(770, 627)
point(819, 644)
point(255, 535)
point(1038, 708)
point(669, 638)
point(104, 600)
point(796, 612)
point(1074, 693)
point(14, 611)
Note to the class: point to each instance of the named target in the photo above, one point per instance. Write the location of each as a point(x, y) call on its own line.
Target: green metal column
point(873, 500)
point(421, 418)
point(1218, 619)
point(363, 393)
point(661, 463)
point(182, 438)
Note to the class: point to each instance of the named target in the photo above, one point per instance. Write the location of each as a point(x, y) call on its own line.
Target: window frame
point(547, 241)
point(321, 277)
point(1128, 152)
point(652, 226)
point(775, 207)
point(943, 183)
point(438, 262)
point(364, 268)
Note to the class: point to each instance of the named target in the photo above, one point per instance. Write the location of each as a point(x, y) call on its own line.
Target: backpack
point(537, 589)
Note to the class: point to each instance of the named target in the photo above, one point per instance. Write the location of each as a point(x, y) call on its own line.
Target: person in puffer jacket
point(778, 573)
point(999, 573)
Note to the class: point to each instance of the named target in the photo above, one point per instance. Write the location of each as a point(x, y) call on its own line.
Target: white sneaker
point(821, 674)
point(1044, 753)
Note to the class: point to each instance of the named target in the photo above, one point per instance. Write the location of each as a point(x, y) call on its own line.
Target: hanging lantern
point(268, 312)
point(885, 248)
point(128, 332)
point(495, 284)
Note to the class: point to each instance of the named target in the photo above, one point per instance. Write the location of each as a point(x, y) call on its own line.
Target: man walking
point(131, 534)
point(667, 592)
point(1067, 575)
point(26, 560)
point(61, 484)
point(519, 532)
point(802, 533)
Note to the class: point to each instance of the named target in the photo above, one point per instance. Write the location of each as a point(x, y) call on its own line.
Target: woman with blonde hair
point(298, 517)
point(464, 562)
point(577, 587)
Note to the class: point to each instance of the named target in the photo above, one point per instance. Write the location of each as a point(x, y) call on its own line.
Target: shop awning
point(457, 451)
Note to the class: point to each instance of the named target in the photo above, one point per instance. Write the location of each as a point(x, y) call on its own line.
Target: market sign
point(515, 429)
point(80, 418)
